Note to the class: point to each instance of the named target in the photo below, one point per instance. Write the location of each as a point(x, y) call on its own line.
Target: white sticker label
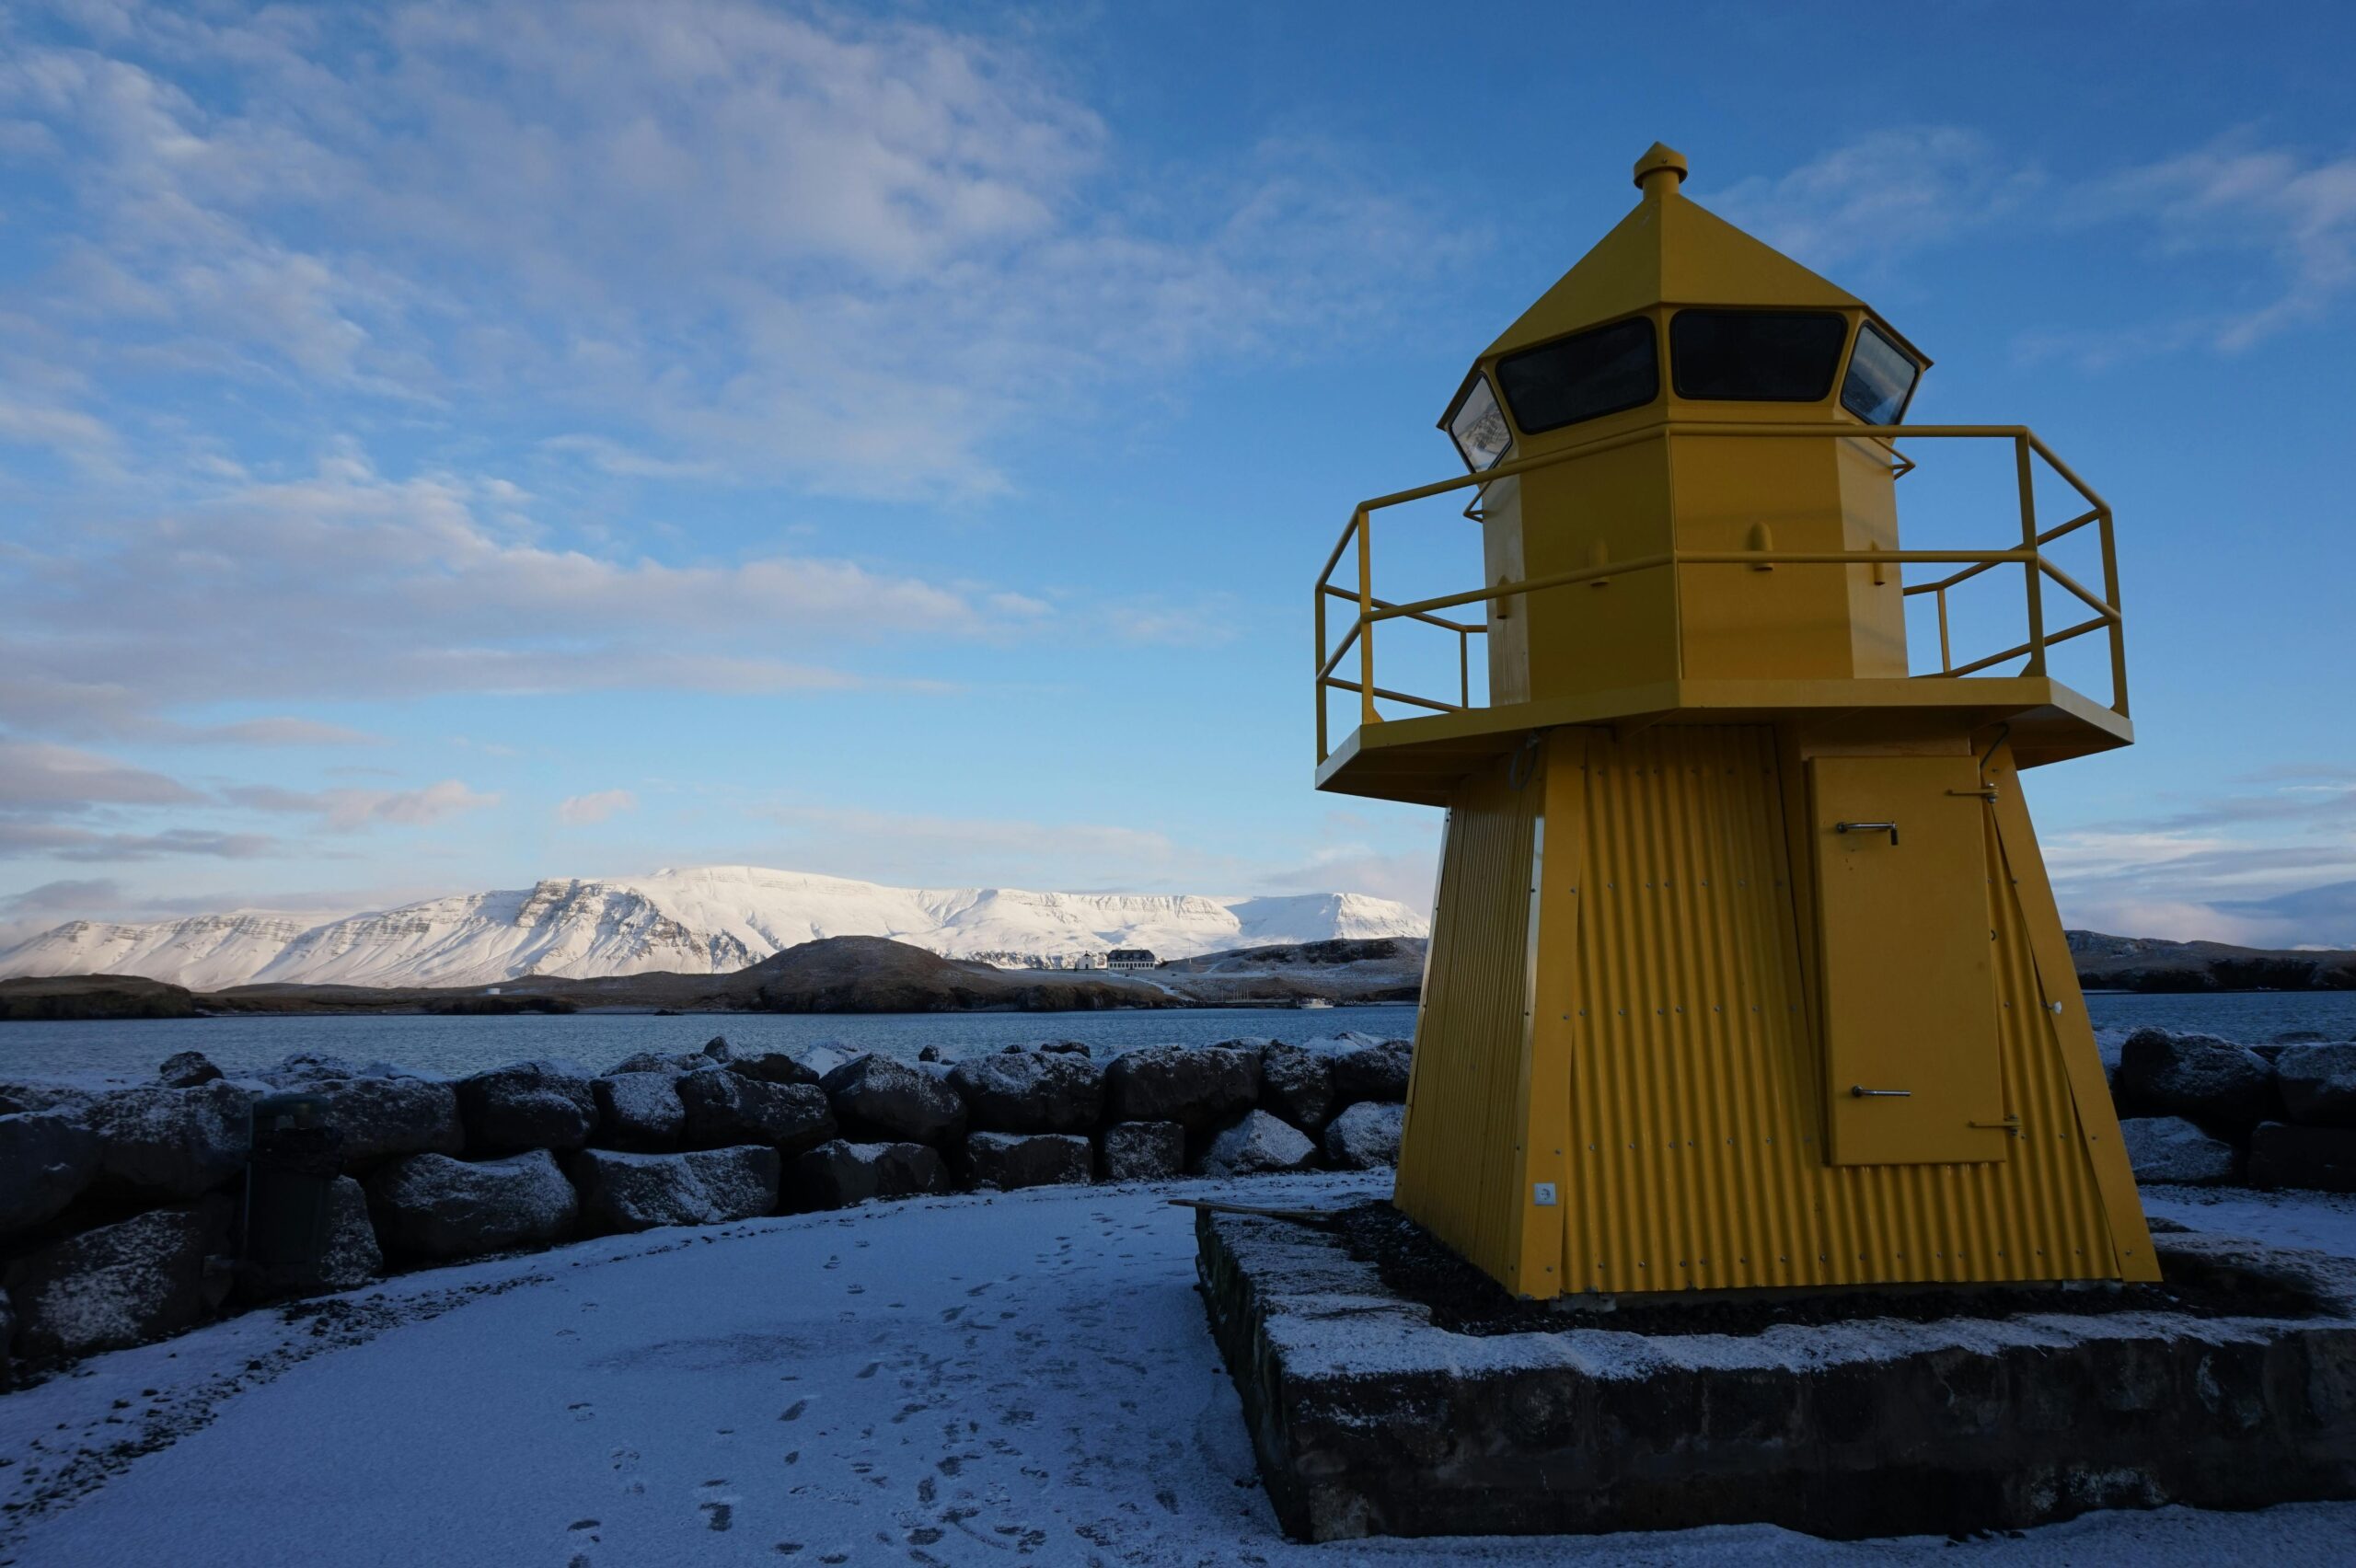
point(1543, 1193)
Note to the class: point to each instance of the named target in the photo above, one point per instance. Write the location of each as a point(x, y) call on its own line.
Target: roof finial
point(1660, 170)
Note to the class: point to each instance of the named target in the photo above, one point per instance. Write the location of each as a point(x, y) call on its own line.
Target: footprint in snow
point(793, 1411)
point(870, 1371)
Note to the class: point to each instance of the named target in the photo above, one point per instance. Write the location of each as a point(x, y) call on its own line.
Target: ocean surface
point(455, 1046)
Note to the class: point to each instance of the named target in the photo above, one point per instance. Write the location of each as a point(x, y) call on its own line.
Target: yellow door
point(1908, 954)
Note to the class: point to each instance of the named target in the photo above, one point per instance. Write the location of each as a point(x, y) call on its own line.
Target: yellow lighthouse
point(1745, 971)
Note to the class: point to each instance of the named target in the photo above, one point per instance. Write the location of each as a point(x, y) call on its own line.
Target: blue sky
point(446, 446)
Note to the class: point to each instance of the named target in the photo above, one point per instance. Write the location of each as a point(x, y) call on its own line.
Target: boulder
point(1377, 1071)
point(1063, 1048)
point(2170, 1149)
point(350, 1259)
point(884, 1096)
point(1367, 1135)
point(121, 1283)
point(1144, 1151)
point(717, 1049)
point(639, 1110)
point(527, 1106)
point(381, 1117)
point(725, 1108)
point(771, 1066)
point(2228, 1088)
point(1198, 1087)
point(704, 1186)
point(430, 1206)
point(840, 1173)
point(1255, 1143)
point(1031, 1092)
point(185, 1069)
point(2282, 1155)
point(2318, 1083)
point(46, 1159)
point(1008, 1160)
point(175, 1142)
point(1297, 1084)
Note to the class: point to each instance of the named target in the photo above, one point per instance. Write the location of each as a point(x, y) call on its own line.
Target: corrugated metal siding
point(1460, 1166)
point(1694, 1112)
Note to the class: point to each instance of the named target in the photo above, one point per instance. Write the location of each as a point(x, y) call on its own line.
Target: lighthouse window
point(1477, 427)
point(1582, 377)
point(1881, 378)
point(1755, 356)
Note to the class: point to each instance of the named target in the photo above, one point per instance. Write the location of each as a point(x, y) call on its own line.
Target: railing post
point(1364, 523)
point(2118, 612)
point(1464, 668)
point(2032, 577)
point(1946, 652)
point(1317, 683)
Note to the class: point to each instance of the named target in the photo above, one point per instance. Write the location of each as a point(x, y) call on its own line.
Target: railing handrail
point(2028, 554)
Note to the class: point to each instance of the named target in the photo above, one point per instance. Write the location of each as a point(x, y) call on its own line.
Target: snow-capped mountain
point(707, 920)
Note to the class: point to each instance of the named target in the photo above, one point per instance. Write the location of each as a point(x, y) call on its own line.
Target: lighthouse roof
point(1669, 250)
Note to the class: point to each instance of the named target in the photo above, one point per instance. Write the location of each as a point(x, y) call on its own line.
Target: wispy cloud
point(1886, 194)
point(582, 810)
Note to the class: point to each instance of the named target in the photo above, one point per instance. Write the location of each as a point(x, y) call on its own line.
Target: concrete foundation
point(1368, 1420)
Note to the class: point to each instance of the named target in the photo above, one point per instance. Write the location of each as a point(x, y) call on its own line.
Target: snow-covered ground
point(965, 1380)
point(702, 920)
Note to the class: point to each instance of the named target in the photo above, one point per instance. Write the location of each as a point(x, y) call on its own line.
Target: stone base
point(1368, 1420)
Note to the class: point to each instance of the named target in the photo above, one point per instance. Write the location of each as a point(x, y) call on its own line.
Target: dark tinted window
point(1755, 356)
point(1881, 378)
point(1596, 373)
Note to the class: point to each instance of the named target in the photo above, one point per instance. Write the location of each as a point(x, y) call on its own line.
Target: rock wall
point(2199, 1110)
point(123, 1214)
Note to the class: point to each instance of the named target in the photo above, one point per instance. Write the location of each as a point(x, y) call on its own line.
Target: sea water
point(454, 1047)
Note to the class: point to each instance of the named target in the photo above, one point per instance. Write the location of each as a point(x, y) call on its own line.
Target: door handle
point(1888, 827)
point(1859, 1091)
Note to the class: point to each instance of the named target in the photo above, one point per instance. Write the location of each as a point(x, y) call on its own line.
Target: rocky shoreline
point(122, 1211)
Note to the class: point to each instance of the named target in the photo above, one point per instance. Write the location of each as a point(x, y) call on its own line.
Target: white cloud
point(2297, 213)
point(1880, 196)
point(581, 810)
point(346, 810)
point(35, 775)
point(737, 239)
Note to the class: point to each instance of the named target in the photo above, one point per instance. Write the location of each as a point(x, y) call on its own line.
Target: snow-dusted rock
point(639, 1111)
point(185, 1069)
point(884, 1096)
point(46, 1159)
point(704, 1186)
point(1144, 1151)
point(1297, 1084)
point(1196, 1086)
point(177, 1142)
point(2318, 1083)
point(2226, 1088)
point(840, 1173)
point(1008, 1160)
point(2170, 1149)
point(527, 1106)
point(120, 1284)
point(350, 1259)
point(1255, 1143)
point(1377, 1071)
point(429, 1205)
point(381, 1117)
point(1367, 1135)
point(725, 1108)
point(2282, 1155)
point(672, 1061)
point(771, 1066)
point(1031, 1092)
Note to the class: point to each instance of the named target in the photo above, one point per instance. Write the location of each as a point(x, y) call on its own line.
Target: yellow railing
point(2028, 555)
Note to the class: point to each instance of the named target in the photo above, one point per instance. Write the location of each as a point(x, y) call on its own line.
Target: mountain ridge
point(710, 919)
